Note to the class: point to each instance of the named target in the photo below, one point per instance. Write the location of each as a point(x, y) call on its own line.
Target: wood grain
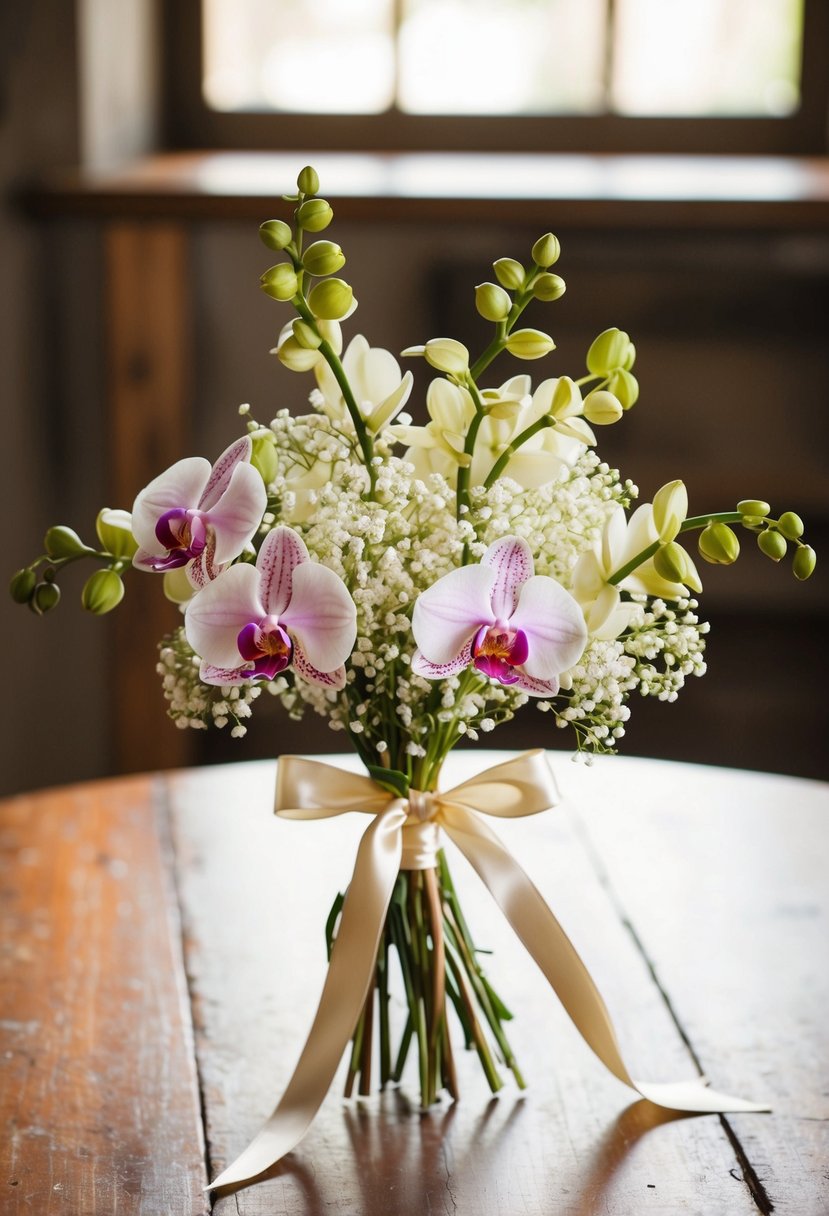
point(738, 866)
point(149, 373)
point(99, 1100)
point(255, 892)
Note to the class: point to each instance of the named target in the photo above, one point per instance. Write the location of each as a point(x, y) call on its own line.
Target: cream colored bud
point(446, 354)
point(323, 257)
point(314, 214)
point(669, 562)
point(625, 387)
point(549, 287)
point(566, 398)
point(602, 408)
point(756, 508)
point(114, 528)
point(772, 544)
point(276, 234)
point(331, 299)
point(529, 344)
point(718, 544)
point(292, 355)
point(608, 352)
point(280, 282)
point(546, 250)
point(509, 273)
point(308, 181)
point(102, 592)
point(492, 302)
point(670, 508)
point(805, 560)
point(305, 334)
point(263, 457)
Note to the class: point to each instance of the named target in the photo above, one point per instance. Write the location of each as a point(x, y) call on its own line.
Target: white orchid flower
point(379, 388)
point(606, 614)
point(517, 627)
point(438, 446)
point(199, 516)
point(252, 622)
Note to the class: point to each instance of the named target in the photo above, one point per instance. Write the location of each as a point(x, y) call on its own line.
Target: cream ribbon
point(404, 834)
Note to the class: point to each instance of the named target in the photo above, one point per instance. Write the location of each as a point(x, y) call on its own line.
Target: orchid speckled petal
point(238, 453)
point(210, 674)
point(321, 617)
point(451, 611)
point(215, 616)
point(512, 560)
point(238, 512)
point(282, 551)
point(325, 679)
point(180, 486)
point(439, 671)
point(554, 625)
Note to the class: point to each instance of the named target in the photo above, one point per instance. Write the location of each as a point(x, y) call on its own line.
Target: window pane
point(501, 56)
point(299, 55)
point(707, 57)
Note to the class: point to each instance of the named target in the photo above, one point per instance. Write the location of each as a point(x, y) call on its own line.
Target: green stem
point(509, 451)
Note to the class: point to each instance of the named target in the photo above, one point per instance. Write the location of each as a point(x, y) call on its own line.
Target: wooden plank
point(99, 1098)
point(149, 364)
point(725, 876)
point(255, 893)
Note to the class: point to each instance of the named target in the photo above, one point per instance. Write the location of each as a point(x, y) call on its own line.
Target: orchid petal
point(533, 469)
point(536, 688)
point(449, 612)
point(438, 671)
point(214, 617)
point(282, 551)
point(393, 404)
point(321, 616)
point(380, 374)
point(179, 486)
point(326, 679)
point(512, 560)
point(220, 475)
point(210, 674)
point(238, 513)
point(554, 625)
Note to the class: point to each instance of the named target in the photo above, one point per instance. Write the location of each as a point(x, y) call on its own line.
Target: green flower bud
point(305, 334)
point(670, 508)
point(263, 456)
point(608, 353)
point(22, 585)
point(330, 300)
point(671, 562)
point(529, 344)
point(276, 234)
point(63, 542)
point(280, 282)
point(546, 250)
point(509, 273)
point(718, 544)
point(45, 597)
point(625, 386)
point(549, 287)
point(790, 525)
point(308, 181)
point(602, 408)
point(630, 358)
point(315, 214)
point(772, 544)
point(566, 399)
point(754, 507)
point(114, 528)
point(323, 257)
point(177, 587)
point(805, 560)
point(102, 592)
point(492, 302)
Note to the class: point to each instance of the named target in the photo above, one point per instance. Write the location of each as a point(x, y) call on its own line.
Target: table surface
point(163, 951)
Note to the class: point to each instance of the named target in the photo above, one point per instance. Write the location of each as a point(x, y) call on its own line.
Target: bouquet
point(418, 583)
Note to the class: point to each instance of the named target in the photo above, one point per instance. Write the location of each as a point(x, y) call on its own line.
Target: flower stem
point(508, 452)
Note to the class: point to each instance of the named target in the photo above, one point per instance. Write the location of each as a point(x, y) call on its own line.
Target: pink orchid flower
point(195, 513)
point(520, 628)
point(252, 622)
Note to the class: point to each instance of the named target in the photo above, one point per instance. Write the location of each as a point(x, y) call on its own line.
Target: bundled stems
point(426, 930)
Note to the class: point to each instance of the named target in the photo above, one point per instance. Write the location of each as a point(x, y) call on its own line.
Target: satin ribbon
point(404, 834)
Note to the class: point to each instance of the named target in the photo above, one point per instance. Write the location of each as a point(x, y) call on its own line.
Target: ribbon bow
point(404, 835)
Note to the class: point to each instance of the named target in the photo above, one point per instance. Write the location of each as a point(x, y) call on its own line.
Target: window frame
point(188, 122)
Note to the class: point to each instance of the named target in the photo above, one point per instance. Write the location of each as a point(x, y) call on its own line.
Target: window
point(544, 74)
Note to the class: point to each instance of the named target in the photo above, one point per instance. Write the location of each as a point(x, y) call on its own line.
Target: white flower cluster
point(197, 705)
point(667, 646)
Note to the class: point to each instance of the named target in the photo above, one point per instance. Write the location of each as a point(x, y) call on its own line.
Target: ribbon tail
point(542, 935)
point(344, 993)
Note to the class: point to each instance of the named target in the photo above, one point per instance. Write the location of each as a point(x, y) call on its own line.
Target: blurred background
point(678, 151)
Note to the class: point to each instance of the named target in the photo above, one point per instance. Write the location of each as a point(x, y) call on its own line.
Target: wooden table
point(163, 952)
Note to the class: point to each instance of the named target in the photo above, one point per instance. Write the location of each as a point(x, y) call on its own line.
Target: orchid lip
point(267, 646)
point(183, 533)
point(498, 642)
